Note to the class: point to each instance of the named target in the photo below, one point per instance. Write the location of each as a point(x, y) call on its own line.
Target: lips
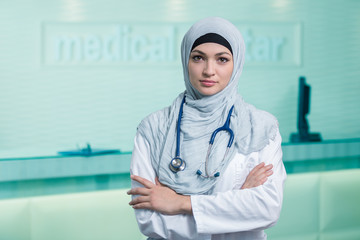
point(207, 83)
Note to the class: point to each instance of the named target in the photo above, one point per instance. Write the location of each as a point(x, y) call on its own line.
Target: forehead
point(211, 48)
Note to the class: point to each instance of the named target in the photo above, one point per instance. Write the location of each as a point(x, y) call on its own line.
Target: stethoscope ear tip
point(198, 172)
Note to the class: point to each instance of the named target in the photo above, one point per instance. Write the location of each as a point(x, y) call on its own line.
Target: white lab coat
point(226, 211)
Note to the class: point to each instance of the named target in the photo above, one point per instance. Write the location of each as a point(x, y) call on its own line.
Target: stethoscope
point(178, 164)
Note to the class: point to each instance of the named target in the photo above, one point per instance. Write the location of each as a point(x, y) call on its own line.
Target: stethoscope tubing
point(177, 164)
point(225, 127)
point(177, 153)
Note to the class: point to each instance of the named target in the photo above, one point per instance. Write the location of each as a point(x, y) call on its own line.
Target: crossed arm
point(160, 210)
point(163, 199)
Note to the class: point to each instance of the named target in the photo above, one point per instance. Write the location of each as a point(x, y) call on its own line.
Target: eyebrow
point(217, 54)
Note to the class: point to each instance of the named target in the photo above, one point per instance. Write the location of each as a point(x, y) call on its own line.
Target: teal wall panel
point(339, 208)
point(19, 216)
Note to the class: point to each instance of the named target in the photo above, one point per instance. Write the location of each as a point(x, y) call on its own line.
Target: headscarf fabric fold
point(202, 114)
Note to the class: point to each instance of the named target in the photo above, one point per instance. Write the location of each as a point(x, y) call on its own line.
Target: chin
point(208, 92)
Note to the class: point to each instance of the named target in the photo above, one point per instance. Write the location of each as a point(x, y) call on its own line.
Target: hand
point(159, 198)
point(258, 176)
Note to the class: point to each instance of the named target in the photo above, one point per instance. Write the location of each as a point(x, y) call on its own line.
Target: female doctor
point(210, 165)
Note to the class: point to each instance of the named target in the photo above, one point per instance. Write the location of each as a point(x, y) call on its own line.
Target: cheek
point(193, 72)
point(191, 77)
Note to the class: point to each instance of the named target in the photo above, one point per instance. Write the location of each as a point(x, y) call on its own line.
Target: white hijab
point(201, 116)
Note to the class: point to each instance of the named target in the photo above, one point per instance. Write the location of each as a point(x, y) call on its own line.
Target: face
point(210, 68)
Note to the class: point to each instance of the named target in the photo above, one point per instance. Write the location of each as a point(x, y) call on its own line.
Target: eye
point(197, 58)
point(223, 59)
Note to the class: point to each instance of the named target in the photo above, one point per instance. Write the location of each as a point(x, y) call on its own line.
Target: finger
point(139, 191)
point(262, 181)
point(262, 171)
point(268, 167)
point(263, 166)
point(256, 168)
point(140, 199)
point(259, 166)
point(269, 173)
point(143, 181)
point(144, 205)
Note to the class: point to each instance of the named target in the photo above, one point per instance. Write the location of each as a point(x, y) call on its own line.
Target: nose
point(209, 69)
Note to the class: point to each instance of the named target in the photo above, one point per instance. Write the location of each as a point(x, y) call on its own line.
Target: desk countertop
point(56, 166)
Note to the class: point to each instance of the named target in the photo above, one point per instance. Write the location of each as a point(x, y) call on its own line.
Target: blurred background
point(76, 72)
point(88, 71)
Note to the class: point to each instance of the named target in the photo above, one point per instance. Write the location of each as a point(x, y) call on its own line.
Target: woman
point(184, 189)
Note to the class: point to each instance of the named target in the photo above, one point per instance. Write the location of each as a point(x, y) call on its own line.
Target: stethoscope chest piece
point(177, 164)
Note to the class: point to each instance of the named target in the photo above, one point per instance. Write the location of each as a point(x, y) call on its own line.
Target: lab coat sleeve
point(244, 210)
point(151, 223)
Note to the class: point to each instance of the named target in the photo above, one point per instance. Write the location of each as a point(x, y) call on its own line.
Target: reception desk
point(31, 175)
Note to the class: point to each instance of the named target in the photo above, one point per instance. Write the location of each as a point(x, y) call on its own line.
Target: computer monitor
point(303, 134)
